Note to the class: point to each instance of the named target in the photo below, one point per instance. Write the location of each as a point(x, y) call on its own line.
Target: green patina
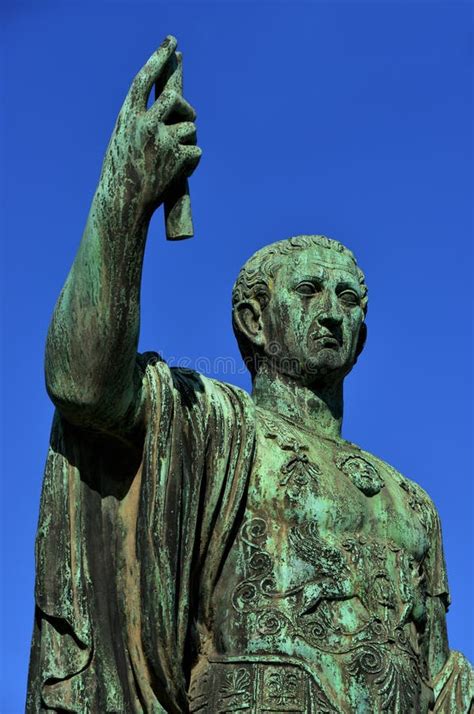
point(205, 550)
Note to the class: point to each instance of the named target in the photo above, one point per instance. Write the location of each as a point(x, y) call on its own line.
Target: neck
point(317, 409)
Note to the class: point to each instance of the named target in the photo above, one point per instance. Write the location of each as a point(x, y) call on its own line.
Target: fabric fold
point(130, 541)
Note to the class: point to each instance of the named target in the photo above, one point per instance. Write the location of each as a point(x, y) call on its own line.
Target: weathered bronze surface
point(200, 549)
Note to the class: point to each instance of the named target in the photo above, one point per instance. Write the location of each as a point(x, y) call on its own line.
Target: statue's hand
point(153, 148)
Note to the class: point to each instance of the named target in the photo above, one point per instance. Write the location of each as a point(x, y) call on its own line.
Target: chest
point(332, 490)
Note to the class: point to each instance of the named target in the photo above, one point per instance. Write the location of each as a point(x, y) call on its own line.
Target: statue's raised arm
point(93, 337)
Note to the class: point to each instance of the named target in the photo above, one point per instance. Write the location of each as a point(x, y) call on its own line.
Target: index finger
point(171, 78)
point(150, 72)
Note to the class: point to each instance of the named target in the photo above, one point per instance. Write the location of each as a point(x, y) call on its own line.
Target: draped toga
point(130, 544)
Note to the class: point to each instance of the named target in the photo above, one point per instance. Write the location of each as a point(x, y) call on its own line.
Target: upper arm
point(435, 638)
point(124, 420)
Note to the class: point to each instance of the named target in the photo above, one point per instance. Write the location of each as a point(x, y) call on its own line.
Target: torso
point(320, 603)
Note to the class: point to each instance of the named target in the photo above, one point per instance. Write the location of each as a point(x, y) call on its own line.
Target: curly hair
point(256, 277)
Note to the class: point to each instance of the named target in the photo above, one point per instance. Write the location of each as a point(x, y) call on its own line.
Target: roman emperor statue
point(201, 549)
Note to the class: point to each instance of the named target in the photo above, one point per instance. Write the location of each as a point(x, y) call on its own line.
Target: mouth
point(325, 341)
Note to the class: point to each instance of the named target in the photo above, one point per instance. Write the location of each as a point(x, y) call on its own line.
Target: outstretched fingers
point(150, 73)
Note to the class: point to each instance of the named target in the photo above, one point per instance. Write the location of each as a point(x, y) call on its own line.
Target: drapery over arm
point(129, 542)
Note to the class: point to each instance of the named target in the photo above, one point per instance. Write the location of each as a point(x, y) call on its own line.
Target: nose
point(331, 321)
point(330, 314)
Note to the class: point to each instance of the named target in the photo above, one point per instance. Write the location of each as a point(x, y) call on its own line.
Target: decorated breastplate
point(299, 471)
point(342, 599)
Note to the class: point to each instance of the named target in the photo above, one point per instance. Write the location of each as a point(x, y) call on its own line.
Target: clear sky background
point(350, 119)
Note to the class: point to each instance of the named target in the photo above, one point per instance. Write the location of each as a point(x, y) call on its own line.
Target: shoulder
point(193, 391)
point(416, 499)
point(415, 496)
point(212, 389)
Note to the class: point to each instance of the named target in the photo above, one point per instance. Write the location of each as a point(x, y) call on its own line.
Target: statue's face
point(313, 321)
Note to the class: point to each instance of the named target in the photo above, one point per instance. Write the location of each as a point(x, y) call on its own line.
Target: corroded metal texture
point(201, 549)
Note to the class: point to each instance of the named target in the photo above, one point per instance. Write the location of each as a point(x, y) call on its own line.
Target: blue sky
point(350, 119)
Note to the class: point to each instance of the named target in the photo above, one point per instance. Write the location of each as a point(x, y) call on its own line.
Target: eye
point(306, 287)
point(349, 297)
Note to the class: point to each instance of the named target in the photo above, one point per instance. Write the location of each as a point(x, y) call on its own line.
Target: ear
point(362, 339)
point(248, 319)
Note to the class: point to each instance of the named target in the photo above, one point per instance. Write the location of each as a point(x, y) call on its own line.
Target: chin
point(326, 367)
point(324, 360)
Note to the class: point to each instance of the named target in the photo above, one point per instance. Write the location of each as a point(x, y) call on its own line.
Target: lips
point(325, 340)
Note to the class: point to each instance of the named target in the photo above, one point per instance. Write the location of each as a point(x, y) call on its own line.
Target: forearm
point(93, 337)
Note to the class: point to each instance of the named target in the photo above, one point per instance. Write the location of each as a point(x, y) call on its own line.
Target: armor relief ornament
point(305, 611)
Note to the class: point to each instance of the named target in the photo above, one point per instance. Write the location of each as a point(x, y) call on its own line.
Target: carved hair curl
point(256, 277)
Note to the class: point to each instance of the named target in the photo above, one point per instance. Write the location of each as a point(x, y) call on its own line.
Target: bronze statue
point(200, 549)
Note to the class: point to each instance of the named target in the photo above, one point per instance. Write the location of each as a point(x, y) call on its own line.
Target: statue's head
point(298, 307)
